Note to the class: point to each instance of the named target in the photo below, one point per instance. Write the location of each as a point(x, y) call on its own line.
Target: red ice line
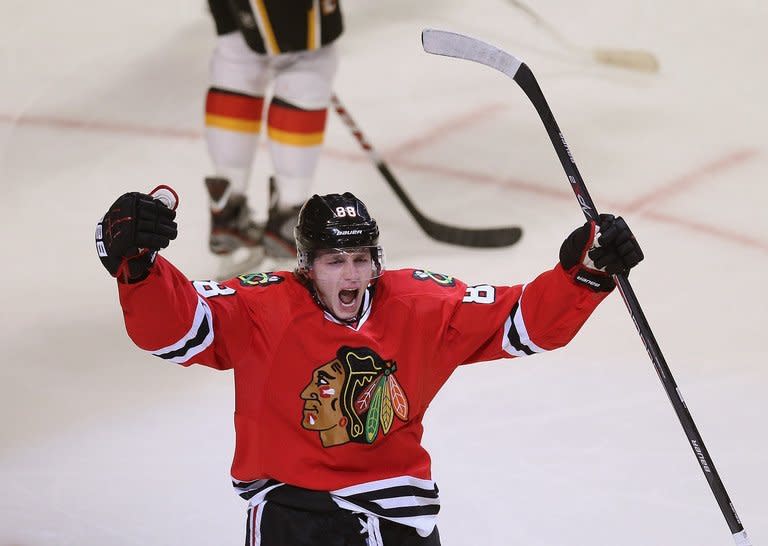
point(434, 133)
point(639, 205)
point(105, 126)
point(685, 182)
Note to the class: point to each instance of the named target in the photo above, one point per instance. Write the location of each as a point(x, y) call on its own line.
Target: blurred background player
point(282, 46)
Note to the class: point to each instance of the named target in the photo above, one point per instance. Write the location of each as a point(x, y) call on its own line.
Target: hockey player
point(285, 45)
point(336, 362)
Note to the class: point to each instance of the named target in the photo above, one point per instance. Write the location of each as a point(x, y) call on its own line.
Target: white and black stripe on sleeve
point(515, 340)
point(196, 340)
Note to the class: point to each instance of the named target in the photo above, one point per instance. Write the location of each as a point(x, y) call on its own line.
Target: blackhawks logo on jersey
point(353, 398)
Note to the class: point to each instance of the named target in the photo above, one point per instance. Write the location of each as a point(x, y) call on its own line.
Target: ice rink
point(101, 443)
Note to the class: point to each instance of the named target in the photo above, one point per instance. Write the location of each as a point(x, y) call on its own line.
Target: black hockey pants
point(320, 522)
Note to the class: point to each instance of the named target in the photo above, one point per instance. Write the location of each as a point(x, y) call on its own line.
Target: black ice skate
point(235, 236)
point(279, 242)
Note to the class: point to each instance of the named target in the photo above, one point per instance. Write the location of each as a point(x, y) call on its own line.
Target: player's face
point(341, 277)
point(322, 408)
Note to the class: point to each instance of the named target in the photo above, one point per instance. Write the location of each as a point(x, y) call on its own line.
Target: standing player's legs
point(296, 126)
point(233, 113)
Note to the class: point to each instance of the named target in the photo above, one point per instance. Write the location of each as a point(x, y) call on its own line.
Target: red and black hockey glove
point(134, 228)
point(595, 251)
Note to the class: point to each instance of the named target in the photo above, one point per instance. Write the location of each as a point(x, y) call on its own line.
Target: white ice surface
point(102, 444)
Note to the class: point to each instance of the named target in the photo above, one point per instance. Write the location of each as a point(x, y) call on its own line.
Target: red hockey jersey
point(325, 406)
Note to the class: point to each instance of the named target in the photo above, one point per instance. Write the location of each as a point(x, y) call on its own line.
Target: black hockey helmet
point(335, 221)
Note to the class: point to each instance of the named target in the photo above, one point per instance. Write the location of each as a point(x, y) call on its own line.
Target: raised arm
point(546, 313)
point(164, 312)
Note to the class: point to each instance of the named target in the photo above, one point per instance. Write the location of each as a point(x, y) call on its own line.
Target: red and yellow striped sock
point(233, 111)
point(294, 126)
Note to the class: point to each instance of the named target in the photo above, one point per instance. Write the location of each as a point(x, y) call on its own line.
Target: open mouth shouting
point(341, 277)
point(348, 298)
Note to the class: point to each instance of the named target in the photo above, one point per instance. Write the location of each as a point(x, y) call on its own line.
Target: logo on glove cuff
point(587, 281)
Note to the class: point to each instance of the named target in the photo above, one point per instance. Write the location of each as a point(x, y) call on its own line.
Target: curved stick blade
point(452, 44)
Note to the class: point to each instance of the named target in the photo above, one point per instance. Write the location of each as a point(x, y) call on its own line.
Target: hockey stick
point(633, 59)
point(455, 235)
point(463, 47)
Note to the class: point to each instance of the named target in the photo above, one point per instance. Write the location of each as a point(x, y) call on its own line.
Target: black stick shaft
point(375, 157)
point(471, 237)
point(525, 78)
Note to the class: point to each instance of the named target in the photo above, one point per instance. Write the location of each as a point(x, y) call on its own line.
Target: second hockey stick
point(455, 235)
point(450, 44)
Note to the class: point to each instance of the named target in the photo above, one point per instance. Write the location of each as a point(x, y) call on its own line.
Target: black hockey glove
point(594, 252)
point(134, 228)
